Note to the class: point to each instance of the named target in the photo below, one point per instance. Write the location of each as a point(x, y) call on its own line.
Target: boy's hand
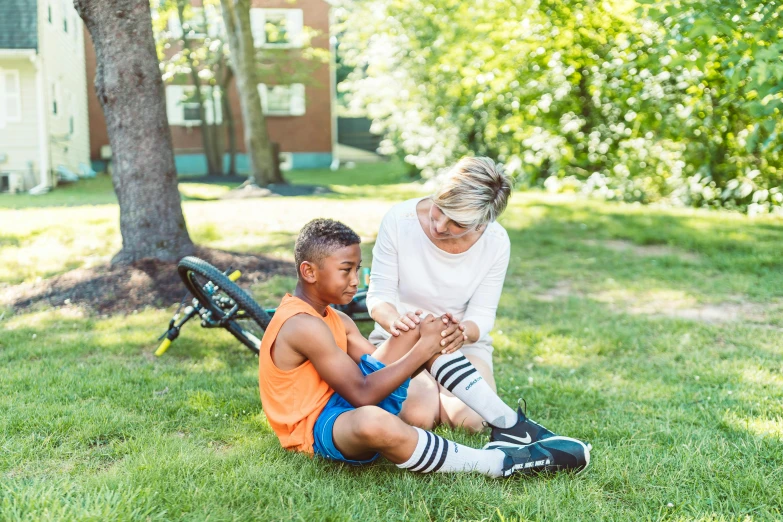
point(430, 329)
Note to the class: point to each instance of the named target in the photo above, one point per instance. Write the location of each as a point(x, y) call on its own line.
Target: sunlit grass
point(684, 414)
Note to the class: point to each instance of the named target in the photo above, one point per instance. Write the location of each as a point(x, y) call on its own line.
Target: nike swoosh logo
point(527, 439)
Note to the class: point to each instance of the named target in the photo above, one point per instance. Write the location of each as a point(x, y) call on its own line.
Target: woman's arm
point(480, 315)
point(384, 281)
point(386, 315)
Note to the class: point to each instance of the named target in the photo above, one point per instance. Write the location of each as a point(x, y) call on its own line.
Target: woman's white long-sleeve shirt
point(410, 272)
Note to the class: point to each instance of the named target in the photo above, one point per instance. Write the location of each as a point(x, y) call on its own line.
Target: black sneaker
point(549, 455)
point(525, 431)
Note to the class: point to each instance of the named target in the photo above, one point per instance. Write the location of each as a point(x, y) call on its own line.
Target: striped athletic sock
point(434, 454)
point(455, 373)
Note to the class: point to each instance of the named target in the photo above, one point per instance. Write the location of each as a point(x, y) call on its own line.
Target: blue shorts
point(322, 431)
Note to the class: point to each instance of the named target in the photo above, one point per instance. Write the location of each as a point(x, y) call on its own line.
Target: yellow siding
point(19, 140)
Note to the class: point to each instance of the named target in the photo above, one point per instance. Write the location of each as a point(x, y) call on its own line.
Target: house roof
point(18, 24)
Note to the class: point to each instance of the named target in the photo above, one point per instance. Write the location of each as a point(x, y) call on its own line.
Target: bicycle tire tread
point(210, 272)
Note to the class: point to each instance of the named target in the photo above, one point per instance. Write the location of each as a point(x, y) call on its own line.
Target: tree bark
point(129, 87)
point(228, 118)
point(217, 131)
point(236, 16)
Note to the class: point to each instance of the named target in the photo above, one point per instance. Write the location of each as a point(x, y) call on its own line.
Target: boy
point(326, 390)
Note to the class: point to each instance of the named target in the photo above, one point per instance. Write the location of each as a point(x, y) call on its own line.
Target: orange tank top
point(293, 399)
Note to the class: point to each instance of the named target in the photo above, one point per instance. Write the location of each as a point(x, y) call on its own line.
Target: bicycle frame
point(356, 309)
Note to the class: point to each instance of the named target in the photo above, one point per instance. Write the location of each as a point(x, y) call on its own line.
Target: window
point(65, 13)
point(190, 112)
point(276, 27)
point(282, 100)
point(71, 115)
point(55, 97)
point(197, 23)
point(182, 107)
point(10, 97)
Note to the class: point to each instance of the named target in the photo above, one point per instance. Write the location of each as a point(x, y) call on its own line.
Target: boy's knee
point(372, 424)
point(420, 416)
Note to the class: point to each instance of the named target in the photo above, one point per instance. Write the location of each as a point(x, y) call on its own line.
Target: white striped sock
point(456, 373)
point(434, 454)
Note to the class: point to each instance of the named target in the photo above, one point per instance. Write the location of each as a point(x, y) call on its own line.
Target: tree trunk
point(217, 132)
point(130, 89)
point(236, 16)
point(228, 118)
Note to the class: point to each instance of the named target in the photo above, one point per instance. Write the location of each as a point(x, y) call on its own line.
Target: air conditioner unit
point(286, 161)
point(11, 182)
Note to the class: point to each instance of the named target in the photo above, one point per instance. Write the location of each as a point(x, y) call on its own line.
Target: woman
point(444, 254)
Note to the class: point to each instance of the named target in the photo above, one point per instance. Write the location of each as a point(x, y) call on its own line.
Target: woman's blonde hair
point(473, 192)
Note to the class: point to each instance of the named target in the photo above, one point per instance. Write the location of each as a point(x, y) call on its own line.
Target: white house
point(43, 93)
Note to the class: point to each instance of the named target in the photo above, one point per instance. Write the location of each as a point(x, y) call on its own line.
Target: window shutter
point(212, 107)
point(175, 25)
point(209, 110)
point(257, 23)
point(13, 97)
point(295, 23)
point(174, 110)
point(217, 104)
point(297, 99)
point(262, 90)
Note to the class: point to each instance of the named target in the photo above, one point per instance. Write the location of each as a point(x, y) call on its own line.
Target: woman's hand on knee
point(453, 336)
point(405, 322)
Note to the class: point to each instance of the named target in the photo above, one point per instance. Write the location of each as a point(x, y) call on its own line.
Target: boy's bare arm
point(358, 345)
point(311, 338)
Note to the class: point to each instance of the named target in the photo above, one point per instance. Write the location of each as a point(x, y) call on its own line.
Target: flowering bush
point(590, 97)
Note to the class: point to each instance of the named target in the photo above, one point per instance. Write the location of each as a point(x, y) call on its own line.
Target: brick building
point(300, 117)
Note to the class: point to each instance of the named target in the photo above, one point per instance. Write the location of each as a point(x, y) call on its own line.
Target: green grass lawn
point(654, 334)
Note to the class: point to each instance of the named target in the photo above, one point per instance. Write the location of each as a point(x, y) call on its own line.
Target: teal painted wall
point(310, 160)
point(196, 164)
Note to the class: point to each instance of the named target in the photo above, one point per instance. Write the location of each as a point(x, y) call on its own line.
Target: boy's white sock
point(456, 373)
point(433, 454)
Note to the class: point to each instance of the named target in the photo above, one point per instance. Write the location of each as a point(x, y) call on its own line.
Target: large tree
point(236, 17)
point(130, 89)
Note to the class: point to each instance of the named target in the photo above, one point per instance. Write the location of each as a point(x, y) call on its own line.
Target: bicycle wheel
point(218, 294)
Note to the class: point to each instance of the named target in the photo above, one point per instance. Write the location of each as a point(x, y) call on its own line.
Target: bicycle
point(221, 303)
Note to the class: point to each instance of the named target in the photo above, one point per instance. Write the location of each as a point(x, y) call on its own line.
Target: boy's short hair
point(319, 238)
